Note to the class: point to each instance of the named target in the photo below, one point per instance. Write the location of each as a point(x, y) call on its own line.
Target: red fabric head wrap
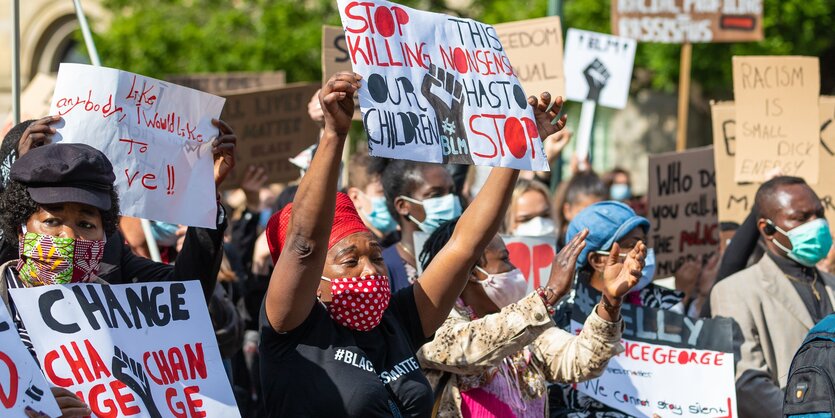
point(346, 221)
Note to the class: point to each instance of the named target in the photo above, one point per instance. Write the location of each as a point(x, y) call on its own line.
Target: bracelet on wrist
point(548, 305)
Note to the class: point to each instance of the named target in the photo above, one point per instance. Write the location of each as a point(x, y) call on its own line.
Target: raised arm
point(292, 289)
point(445, 278)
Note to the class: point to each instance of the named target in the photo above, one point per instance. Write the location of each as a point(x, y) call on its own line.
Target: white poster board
point(598, 67)
point(157, 135)
point(144, 350)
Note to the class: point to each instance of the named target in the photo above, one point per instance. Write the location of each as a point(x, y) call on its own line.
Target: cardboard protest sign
point(534, 47)
point(682, 208)
point(688, 21)
point(335, 58)
point(222, 83)
point(533, 256)
point(662, 350)
point(145, 350)
point(22, 384)
point(157, 135)
point(777, 111)
point(272, 126)
point(735, 200)
point(438, 88)
point(598, 67)
point(34, 101)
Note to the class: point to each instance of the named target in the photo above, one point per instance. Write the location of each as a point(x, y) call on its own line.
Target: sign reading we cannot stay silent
point(438, 88)
point(157, 135)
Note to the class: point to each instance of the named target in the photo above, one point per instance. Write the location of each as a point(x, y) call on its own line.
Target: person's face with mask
point(67, 220)
point(532, 215)
point(370, 202)
point(432, 202)
point(620, 188)
point(494, 282)
point(794, 226)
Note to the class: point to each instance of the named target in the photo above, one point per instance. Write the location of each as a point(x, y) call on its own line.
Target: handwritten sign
point(223, 83)
point(22, 384)
point(145, 350)
point(438, 88)
point(533, 256)
point(682, 208)
point(156, 134)
point(598, 67)
point(662, 350)
point(534, 47)
point(735, 200)
point(34, 101)
point(272, 126)
point(688, 21)
point(777, 110)
point(335, 58)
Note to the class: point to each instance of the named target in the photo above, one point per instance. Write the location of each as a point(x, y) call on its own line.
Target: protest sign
point(777, 111)
point(735, 200)
point(598, 67)
point(535, 49)
point(533, 256)
point(688, 21)
point(145, 350)
point(438, 88)
point(335, 58)
point(272, 126)
point(157, 135)
point(22, 384)
point(223, 83)
point(662, 350)
point(34, 101)
point(682, 208)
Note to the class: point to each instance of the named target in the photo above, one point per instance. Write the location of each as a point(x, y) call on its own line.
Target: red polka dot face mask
point(359, 302)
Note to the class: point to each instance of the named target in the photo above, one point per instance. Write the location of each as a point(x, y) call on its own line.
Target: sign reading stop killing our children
point(144, 350)
point(22, 384)
point(777, 116)
point(157, 135)
point(682, 208)
point(438, 88)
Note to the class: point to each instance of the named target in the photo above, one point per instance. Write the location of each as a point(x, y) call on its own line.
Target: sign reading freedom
point(438, 88)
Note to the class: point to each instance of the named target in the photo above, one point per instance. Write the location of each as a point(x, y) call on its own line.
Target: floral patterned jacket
point(521, 344)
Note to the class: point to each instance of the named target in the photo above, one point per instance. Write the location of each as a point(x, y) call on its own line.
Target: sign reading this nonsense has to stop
point(438, 88)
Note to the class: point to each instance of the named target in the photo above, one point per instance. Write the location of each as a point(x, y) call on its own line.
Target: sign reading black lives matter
point(144, 350)
point(438, 88)
point(598, 67)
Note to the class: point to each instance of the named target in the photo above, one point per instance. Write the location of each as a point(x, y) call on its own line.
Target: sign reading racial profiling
point(223, 83)
point(598, 67)
point(735, 200)
point(682, 208)
point(662, 350)
point(145, 350)
point(438, 88)
point(535, 48)
point(157, 135)
point(688, 21)
point(272, 126)
point(777, 110)
point(533, 256)
point(22, 384)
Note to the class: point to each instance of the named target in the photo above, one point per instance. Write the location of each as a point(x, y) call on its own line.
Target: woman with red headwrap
point(334, 340)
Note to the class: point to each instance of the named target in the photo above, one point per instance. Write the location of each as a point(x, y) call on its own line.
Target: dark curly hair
point(16, 206)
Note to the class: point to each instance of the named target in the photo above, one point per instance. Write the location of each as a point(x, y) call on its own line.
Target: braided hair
point(436, 242)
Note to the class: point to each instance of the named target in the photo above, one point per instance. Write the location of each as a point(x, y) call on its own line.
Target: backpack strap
point(438, 393)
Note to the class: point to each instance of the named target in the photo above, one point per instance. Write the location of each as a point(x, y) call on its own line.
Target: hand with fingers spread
point(223, 149)
point(687, 277)
point(546, 113)
point(70, 405)
point(562, 269)
point(254, 179)
point(337, 101)
point(619, 277)
point(38, 134)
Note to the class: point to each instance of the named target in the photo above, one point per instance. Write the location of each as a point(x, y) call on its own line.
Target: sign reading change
point(438, 88)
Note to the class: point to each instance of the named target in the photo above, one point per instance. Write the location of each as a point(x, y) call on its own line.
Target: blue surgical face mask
point(165, 234)
point(380, 217)
point(264, 217)
point(810, 241)
point(647, 273)
point(438, 210)
point(620, 191)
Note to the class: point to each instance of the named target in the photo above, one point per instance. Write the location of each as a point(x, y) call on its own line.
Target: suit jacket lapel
point(829, 281)
point(776, 284)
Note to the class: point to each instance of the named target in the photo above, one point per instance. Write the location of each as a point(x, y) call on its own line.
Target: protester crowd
point(299, 276)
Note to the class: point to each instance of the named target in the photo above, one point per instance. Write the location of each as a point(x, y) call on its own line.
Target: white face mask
point(504, 288)
point(535, 227)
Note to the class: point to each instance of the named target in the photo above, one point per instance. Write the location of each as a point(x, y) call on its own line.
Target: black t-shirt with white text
point(322, 369)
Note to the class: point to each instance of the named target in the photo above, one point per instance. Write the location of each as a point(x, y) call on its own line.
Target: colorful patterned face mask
point(45, 259)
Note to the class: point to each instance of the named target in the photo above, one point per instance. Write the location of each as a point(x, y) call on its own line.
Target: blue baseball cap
point(607, 223)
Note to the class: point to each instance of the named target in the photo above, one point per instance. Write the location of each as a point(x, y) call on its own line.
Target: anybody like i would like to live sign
point(140, 350)
point(157, 135)
point(438, 88)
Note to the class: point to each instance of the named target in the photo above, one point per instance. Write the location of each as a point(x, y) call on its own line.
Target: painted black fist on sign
point(596, 76)
point(446, 95)
point(130, 372)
